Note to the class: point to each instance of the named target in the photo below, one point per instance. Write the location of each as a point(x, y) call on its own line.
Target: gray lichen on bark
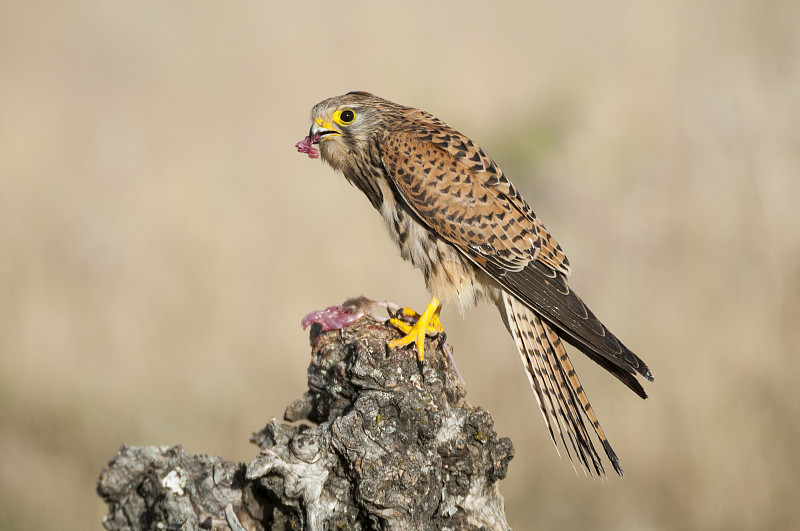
point(383, 443)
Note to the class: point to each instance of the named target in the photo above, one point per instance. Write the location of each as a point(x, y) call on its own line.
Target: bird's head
point(343, 125)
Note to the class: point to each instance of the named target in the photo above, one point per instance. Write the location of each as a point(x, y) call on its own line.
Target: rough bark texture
point(391, 445)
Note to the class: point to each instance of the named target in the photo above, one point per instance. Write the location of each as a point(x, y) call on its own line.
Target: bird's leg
point(427, 323)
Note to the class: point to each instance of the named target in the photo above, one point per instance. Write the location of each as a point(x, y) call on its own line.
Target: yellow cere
point(327, 126)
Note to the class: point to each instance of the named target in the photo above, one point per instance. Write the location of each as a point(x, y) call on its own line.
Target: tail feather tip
point(613, 457)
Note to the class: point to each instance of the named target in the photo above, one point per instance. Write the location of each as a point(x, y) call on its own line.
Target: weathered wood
point(386, 444)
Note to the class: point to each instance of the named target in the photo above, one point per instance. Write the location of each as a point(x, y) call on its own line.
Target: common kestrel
point(455, 216)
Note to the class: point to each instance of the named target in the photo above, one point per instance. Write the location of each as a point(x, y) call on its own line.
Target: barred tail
point(558, 391)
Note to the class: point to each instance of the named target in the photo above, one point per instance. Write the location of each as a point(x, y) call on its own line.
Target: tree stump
point(384, 443)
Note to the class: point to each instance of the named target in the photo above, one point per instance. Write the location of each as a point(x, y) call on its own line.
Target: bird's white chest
point(448, 274)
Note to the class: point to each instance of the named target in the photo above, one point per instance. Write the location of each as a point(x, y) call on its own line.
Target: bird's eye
point(346, 116)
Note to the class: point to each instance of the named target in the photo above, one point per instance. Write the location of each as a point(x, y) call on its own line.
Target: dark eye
point(347, 116)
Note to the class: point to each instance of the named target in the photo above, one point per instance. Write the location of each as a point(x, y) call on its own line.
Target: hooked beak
point(321, 130)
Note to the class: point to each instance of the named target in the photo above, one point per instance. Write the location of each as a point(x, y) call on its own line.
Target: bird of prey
point(456, 216)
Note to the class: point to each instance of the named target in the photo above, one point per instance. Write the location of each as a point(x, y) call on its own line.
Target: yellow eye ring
point(344, 116)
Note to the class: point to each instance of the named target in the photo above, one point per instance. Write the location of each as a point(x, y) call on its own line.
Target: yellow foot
point(427, 323)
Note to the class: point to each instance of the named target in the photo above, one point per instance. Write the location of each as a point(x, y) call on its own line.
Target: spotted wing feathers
point(461, 194)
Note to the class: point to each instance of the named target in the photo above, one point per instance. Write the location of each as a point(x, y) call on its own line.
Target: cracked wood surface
point(377, 442)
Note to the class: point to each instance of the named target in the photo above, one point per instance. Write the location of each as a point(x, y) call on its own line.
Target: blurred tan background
point(161, 239)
